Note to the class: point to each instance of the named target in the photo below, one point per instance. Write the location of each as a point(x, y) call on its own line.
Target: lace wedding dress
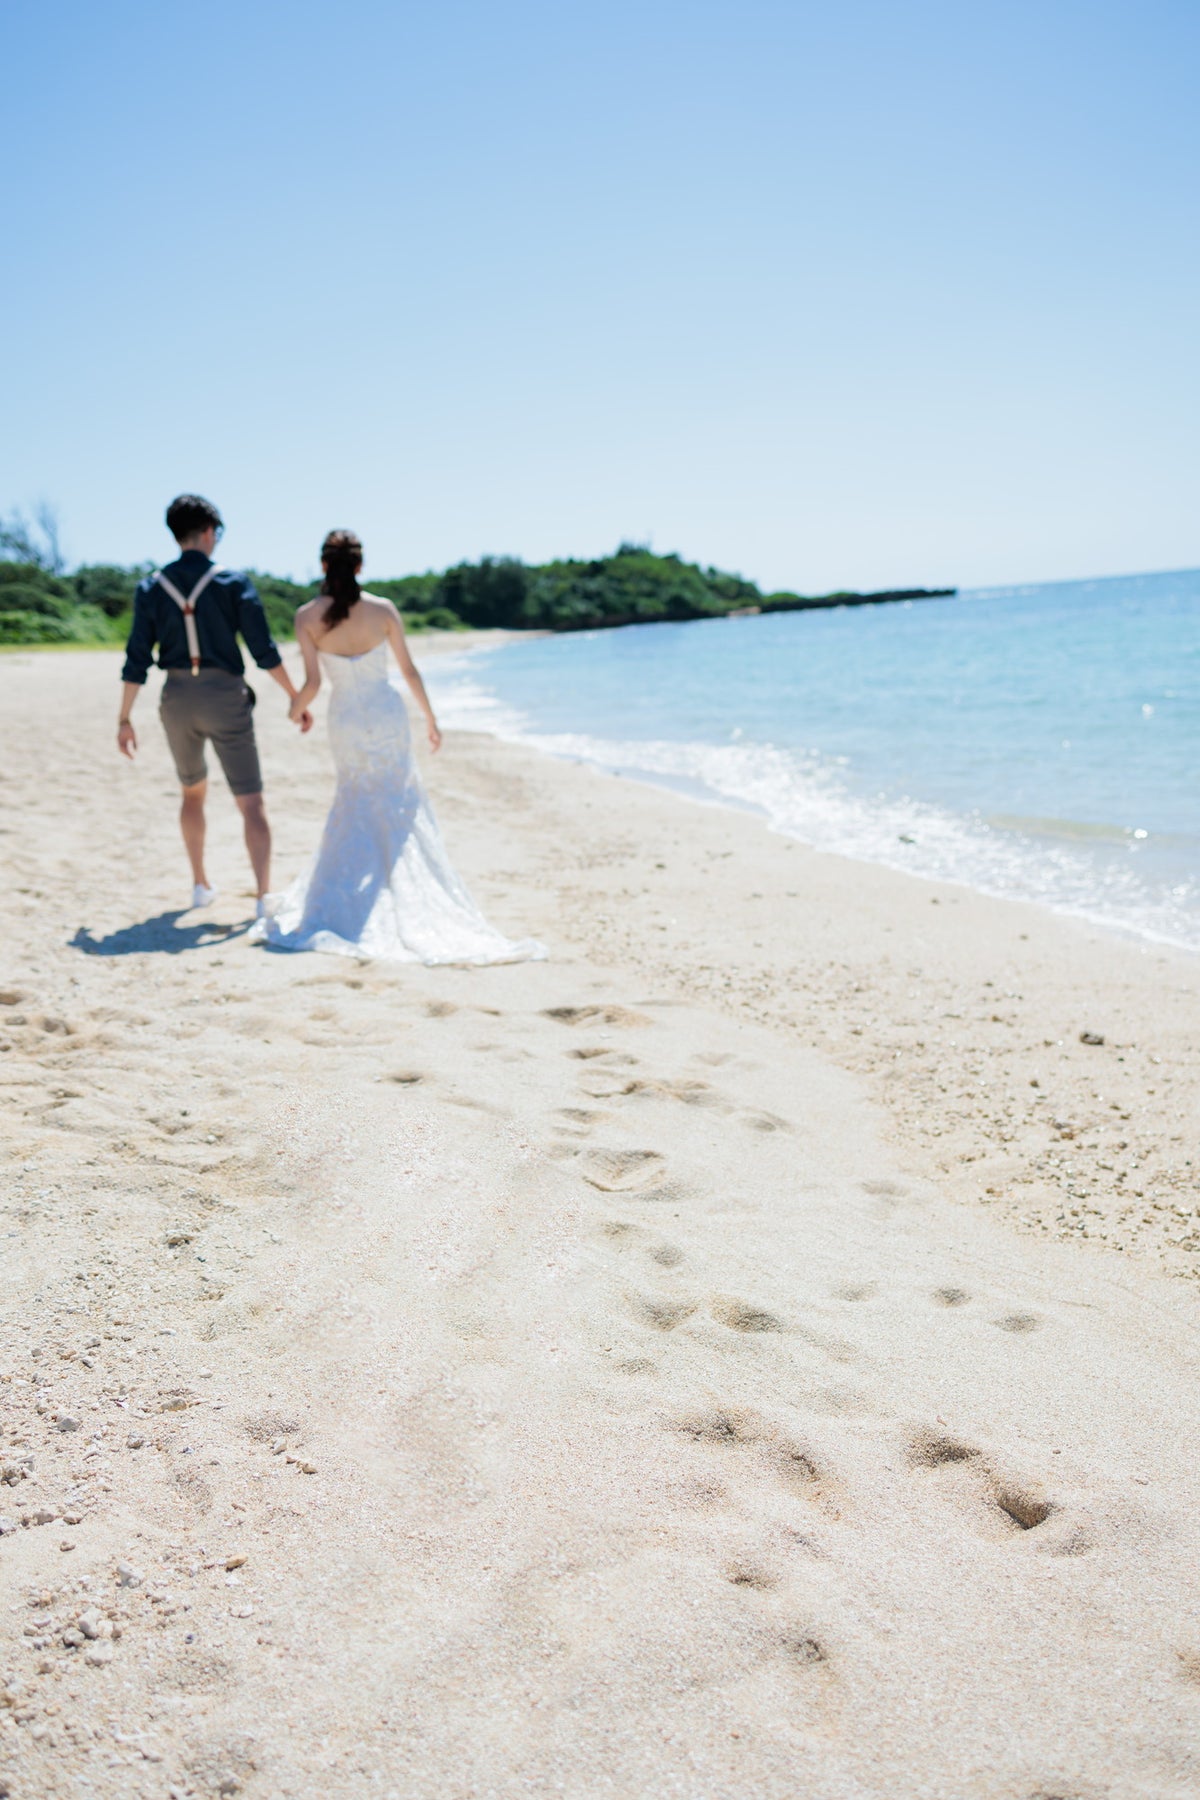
point(382, 885)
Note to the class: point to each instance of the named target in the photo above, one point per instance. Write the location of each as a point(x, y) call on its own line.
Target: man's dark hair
point(189, 513)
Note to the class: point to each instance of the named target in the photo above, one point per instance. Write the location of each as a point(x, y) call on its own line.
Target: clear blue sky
point(841, 294)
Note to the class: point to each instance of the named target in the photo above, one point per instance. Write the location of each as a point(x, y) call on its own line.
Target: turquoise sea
point(1036, 742)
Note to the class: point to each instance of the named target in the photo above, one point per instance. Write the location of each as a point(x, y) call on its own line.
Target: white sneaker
point(260, 909)
point(203, 896)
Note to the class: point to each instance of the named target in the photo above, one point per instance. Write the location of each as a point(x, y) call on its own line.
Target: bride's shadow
point(162, 935)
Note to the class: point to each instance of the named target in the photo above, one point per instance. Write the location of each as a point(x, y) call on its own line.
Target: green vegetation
point(634, 587)
point(37, 607)
point(41, 604)
point(281, 599)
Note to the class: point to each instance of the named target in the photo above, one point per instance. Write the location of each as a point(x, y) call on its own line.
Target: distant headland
point(41, 603)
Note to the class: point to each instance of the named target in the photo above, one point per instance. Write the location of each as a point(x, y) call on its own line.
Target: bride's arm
point(411, 674)
point(312, 670)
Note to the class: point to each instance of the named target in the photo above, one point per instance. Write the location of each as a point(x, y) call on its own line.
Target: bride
point(382, 885)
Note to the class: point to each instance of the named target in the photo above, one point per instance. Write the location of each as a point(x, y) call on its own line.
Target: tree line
point(41, 603)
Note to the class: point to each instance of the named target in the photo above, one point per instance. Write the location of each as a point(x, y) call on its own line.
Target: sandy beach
point(753, 1353)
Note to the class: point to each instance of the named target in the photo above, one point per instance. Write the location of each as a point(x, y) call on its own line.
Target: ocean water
point(1037, 742)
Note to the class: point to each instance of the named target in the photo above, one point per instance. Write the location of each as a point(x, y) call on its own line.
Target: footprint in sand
point(600, 1081)
point(743, 1315)
point(622, 1171)
point(691, 1093)
point(750, 1575)
point(856, 1290)
point(595, 1015)
point(933, 1449)
point(1020, 1504)
point(796, 1469)
point(1018, 1322)
point(662, 1315)
point(808, 1652)
point(722, 1426)
point(1024, 1506)
point(774, 1454)
point(765, 1121)
point(951, 1296)
point(581, 1118)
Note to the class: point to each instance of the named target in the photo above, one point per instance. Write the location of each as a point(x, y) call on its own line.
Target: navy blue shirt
point(229, 604)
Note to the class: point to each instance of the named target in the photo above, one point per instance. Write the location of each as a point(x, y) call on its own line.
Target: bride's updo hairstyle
point(341, 555)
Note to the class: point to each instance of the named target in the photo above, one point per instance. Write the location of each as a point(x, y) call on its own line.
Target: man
point(193, 610)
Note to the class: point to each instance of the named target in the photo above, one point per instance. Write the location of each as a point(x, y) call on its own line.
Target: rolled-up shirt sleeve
point(256, 633)
point(143, 635)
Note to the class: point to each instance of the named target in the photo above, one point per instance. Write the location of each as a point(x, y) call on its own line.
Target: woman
point(382, 885)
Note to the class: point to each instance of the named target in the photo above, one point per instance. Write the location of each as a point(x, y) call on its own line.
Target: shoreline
point(1015, 1112)
point(656, 1370)
point(695, 791)
point(698, 789)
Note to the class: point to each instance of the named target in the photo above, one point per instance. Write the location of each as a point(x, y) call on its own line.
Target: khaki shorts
point(211, 705)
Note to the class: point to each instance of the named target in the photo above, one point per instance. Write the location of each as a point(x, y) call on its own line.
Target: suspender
point(188, 608)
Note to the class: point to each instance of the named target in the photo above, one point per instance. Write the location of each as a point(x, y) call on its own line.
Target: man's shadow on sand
point(162, 935)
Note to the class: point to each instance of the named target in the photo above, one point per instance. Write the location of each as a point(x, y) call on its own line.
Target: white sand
point(720, 1376)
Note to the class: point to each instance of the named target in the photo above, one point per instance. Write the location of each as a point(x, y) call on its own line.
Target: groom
point(193, 609)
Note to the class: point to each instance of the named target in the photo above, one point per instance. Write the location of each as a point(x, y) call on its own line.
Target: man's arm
point(126, 736)
point(256, 633)
point(143, 635)
point(139, 652)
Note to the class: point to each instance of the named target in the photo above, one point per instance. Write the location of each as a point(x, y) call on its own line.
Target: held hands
point(127, 739)
point(300, 715)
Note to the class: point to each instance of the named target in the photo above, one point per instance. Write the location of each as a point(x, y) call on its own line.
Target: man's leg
point(178, 711)
point(258, 838)
point(191, 823)
point(233, 741)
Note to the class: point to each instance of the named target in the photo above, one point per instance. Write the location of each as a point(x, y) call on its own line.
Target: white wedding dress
point(382, 886)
